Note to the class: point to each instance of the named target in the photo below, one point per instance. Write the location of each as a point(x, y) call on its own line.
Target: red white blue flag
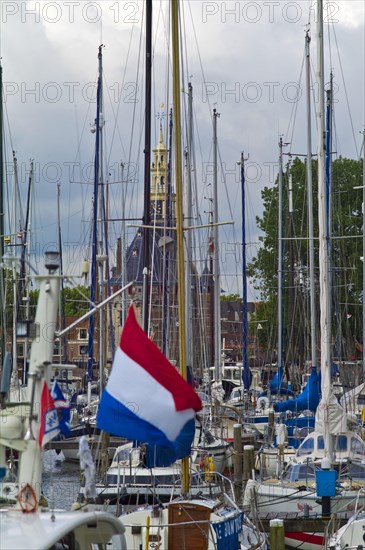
point(63, 408)
point(49, 424)
point(146, 399)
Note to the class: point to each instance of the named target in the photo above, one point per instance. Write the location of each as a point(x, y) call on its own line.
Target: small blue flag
point(62, 408)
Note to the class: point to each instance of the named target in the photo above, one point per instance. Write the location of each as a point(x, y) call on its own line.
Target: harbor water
point(60, 480)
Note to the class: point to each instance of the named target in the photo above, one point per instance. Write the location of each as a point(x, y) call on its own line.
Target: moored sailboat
point(29, 524)
point(328, 470)
point(185, 522)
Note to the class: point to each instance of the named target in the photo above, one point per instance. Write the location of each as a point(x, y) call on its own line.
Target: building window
point(56, 349)
point(83, 350)
point(83, 334)
point(20, 350)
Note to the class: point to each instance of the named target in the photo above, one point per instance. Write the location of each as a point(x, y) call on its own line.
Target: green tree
point(76, 300)
point(346, 266)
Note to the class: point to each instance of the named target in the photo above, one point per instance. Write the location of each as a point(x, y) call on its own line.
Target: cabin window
point(320, 442)
point(307, 447)
point(341, 443)
point(300, 472)
point(357, 471)
point(357, 446)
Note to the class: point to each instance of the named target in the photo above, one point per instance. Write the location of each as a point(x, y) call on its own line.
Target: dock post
point(248, 462)
point(238, 461)
point(277, 534)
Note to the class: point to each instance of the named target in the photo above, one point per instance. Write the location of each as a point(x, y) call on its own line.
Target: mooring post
point(238, 461)
point(277, 534)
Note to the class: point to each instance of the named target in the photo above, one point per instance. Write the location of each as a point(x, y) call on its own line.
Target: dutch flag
point(146, 399)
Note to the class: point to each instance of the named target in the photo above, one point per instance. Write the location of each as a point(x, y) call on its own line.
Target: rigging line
point(345, 88)
point(116, 115)
point(183, 36)
point(294, 110)
point(78, 156)
point(133, 190)
point(199, 56)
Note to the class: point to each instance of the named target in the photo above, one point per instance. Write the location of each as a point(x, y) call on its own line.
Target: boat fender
point(249, 495)
point(281, 434)
point(209, 468)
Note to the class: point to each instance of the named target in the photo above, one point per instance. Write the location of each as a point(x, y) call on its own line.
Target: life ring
point(27, 499)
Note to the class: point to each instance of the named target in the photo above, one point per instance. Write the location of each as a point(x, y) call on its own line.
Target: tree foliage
point(76, 300)
point(346, 222)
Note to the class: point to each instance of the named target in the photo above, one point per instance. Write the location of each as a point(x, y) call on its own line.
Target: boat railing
point(360, 495)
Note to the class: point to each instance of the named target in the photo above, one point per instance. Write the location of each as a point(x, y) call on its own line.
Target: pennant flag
point(146, 399)
point(63, 409)
point(49, 425)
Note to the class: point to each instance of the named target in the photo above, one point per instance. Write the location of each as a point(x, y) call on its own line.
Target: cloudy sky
point(244, 58)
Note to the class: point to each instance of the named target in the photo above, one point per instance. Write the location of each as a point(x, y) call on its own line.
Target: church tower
point(162, 199)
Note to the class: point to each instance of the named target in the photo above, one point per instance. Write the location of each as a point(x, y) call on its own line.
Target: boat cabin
point(346, 445)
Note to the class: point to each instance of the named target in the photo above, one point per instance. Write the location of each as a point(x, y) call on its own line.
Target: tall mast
point(14, 231)
point(2, 228)
point(179, 210)
point(95, 224)
point(189, 312)
point(325, 323)
point(216, 274)
point(363, 256)
point(63, 340)
point(147, 166)
point(26, 251)
point(280, 263)
point(313, 324)
point(291, 312)
point(246, 374)
point(166, 271)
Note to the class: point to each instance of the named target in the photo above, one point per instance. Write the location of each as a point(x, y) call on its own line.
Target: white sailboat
point(333, 445)
point(28, 525)
point(352, 534)
point(189, 521)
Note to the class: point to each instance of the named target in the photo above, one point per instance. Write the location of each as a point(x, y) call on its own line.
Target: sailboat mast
point(280, 262)
point(216, 275)
point(26, 251)
point(292, 352)
point(147, 166)
point(325, 323)
point(95, 227)
point(189, 311)
point(246, 375)
point(179, 210)
point(2, 183)
point(313, 324)
point(62, 341)
point(14, 273)
point(363, 256)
